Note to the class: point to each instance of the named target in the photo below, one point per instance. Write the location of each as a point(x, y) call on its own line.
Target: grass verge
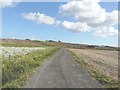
point(16, 71)
point(101, 78)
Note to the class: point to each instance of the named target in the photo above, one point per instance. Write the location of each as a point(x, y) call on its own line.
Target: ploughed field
point(104, 61)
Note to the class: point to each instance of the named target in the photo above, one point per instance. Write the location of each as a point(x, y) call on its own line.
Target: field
point(37, 43)
point(18, 63)
point(18, 51)
point(22, 58)
point(104, 62)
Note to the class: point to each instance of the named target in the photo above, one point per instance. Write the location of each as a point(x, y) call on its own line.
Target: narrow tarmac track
point(61, 72)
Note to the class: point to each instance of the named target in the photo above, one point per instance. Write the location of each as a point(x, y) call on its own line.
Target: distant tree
point(27, 39)
point(59, 41)
point(106, 46)
point(51, 41)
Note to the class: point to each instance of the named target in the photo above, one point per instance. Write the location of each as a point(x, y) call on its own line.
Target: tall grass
point(16, 70)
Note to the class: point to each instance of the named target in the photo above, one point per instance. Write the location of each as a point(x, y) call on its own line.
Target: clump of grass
point(15, 71)
point(104, 80)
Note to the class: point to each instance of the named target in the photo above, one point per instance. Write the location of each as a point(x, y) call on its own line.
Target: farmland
point(103, 62)
point(18, 51)
point(37, 43)
point(26, 62)
point(18, 63)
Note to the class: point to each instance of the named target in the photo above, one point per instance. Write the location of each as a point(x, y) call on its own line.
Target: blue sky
point(15, 26)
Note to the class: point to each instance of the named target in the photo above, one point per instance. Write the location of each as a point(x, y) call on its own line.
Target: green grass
point(16, 70)
point(20, 45)
point(104, 80)
point(36, 44)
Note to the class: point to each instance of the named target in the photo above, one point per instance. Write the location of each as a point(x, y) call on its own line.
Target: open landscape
point(22, 64)
point(59, 44)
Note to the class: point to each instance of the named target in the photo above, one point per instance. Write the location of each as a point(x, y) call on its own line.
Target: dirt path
point(61, 72)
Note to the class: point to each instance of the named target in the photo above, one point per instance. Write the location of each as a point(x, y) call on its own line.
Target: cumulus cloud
point(91, 13)
point(75, 26)
point(88, 15)
point(111, 19)
point(8, 3)
point(88, 11)
point(106, 31)
point(39, 18)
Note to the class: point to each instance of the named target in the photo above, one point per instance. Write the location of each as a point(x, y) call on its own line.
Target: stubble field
point(104, 61)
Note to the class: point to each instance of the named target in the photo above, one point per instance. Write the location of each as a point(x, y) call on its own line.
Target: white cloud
point(40, 18)
point(91, 13)
point(88, 11)
point(111, 19)
point(88, 14)
point(75, 26)
point(106, 31)
point(8, 3)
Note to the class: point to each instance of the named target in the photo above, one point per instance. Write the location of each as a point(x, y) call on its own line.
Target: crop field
point(18, 51)
point(18, 63)
point(104, 62)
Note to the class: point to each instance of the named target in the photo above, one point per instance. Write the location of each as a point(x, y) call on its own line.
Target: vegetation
point(37, 43)
point(103, 79)
point(16, 70)
point(19, 45)
point(18, 51)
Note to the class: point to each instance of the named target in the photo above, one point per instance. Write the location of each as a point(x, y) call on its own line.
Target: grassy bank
point(16, 70)
point(101, 78)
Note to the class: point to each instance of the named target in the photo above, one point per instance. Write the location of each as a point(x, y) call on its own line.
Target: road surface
point(61, 72)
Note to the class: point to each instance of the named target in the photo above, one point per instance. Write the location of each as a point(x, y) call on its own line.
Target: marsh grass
point(104, 80)
point(16, 70)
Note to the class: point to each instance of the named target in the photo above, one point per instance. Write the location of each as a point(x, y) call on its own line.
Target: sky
point(83, 22)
